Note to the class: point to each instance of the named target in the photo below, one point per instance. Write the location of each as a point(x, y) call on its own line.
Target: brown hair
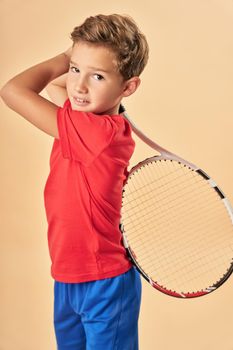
point(121, 34)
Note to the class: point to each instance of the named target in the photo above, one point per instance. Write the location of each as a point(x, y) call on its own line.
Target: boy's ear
point(131, 86)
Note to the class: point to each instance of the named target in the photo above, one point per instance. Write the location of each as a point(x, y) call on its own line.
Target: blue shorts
point(98, 315)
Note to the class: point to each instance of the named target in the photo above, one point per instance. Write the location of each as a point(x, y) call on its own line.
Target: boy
point(97, 291)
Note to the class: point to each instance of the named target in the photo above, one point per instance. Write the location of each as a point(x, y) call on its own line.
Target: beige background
point(185, 103)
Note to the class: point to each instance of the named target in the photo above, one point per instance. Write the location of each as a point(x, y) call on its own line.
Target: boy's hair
point(121, 34)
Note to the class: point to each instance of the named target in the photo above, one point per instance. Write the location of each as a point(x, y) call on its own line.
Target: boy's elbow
point(3, 94)
point(9, 93)
point(6, 91)
point(2, 91)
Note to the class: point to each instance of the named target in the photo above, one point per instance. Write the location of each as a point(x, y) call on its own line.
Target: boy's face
point(93, 82)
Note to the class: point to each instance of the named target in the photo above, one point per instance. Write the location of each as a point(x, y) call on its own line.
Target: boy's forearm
point(37, 77)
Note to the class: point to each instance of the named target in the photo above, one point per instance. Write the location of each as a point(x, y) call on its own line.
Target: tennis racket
point(177, 224)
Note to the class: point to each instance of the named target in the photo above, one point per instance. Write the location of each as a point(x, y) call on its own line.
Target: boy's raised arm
point(21, 93)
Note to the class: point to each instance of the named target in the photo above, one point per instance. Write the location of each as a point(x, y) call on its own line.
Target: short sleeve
point(83, 136)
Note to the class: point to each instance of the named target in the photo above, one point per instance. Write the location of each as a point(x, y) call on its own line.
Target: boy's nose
point(81, 86)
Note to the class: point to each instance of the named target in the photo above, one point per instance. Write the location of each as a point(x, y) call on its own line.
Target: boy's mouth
point(80, 101)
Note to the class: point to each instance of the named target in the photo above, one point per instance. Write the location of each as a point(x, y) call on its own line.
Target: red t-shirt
point(82, 195)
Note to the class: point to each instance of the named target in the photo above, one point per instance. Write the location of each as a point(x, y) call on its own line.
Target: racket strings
point(184, 264)
point(184, 261)
point(152, 181)
point(201, 250)
point(157, 236)
point(175, 228)
point(159, 187)
point(176, 201)
point(144, 223)
point(152, 202)
point(178, 195)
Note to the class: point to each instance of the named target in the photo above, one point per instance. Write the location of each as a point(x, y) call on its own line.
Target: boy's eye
point(74, 69)
point(98, 77)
